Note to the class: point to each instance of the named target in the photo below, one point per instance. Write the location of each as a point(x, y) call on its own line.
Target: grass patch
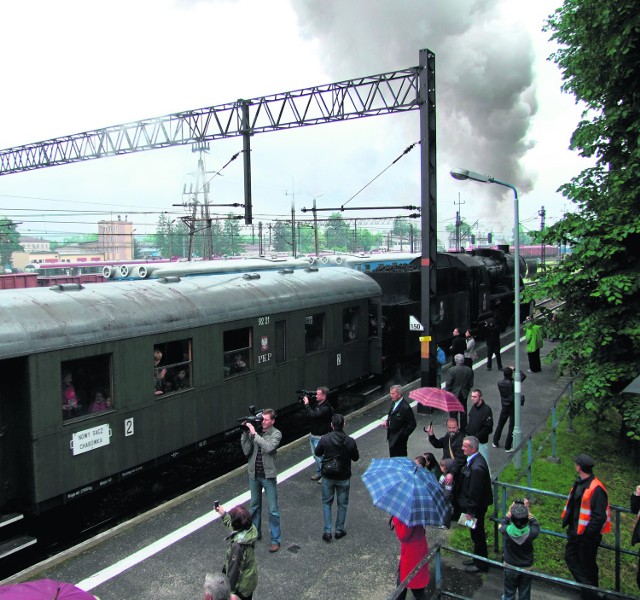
point(614, 467)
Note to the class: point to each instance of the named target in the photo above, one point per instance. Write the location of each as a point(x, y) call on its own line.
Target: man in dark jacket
point(474, 496)
point(319, 414)
point(400, 422)
point(480, 422)
point(451, 444)
point(336, 445)
point(458, 345)
point(492, 335)
point(459, 382)
point(507, 409)
point(587, 516)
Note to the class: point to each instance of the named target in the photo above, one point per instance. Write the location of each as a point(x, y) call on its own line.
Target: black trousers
point(479, 539)
point(580, 556)
point(506, 414)
point(491, 350)
point(399, 448)
point(534, 361)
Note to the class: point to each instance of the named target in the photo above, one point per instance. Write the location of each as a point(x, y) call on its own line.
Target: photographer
point(519, 528)
point(319, 414)
point(261, 449)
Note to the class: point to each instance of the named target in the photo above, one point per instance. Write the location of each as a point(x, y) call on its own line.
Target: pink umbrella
point(436, 398)
point(44, 589)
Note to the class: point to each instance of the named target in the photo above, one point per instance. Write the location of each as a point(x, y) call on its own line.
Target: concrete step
point(10, 518)
point(16, 545)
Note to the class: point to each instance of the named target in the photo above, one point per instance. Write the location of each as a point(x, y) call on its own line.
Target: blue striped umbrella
point(406, 491)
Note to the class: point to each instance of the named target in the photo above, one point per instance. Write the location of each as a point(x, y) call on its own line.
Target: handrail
point(500, 506)
point(435, 556)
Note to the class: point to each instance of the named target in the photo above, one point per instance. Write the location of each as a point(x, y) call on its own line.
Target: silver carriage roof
point(43, 319)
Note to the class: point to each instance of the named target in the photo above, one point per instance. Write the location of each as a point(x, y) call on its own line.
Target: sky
point(77, 65)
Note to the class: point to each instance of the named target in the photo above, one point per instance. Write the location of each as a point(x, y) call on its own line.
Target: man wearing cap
point(586, 516)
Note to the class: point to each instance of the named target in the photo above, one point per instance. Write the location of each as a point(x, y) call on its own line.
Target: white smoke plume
point(485, 93)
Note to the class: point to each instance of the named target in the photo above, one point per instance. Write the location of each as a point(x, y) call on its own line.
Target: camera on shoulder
point(311, 394)
point(255, 418)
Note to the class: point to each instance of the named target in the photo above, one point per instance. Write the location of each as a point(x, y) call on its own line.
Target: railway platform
point(165, 553)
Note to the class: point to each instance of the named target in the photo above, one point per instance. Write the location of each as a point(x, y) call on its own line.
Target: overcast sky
point(75, 65)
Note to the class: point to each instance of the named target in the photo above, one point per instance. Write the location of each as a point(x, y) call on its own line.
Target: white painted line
point(144, 553)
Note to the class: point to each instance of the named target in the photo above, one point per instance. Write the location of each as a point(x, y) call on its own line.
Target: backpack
point(441, 356)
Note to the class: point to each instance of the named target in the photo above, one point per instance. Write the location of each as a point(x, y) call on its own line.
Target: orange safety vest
point(585, 508)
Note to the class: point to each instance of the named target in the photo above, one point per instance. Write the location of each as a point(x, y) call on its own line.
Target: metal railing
point(500, 500)
point(435, 558)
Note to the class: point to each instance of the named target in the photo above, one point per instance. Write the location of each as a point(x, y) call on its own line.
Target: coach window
point(314, 340)
point(281, 342)
point(172, 367)
point(238, 355)
point(85, 386)
point(350, 324)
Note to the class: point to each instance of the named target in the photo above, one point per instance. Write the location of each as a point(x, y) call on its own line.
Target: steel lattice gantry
point(392, 92)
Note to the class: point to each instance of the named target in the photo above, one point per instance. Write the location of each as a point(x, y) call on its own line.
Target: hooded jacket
point(240, 560)
point(518, 543)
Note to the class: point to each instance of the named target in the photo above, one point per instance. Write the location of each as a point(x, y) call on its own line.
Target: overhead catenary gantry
point(396, 91)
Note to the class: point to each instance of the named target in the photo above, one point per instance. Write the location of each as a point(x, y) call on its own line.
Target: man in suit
point(474, 496)
point(400, 422)
point(459, 382)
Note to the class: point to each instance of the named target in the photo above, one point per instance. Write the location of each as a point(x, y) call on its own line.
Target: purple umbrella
point(44, 589)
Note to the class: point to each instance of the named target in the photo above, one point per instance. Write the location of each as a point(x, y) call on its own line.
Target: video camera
point(255, 418)
point(311, 394)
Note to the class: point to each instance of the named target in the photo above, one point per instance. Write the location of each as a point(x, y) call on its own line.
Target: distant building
point(115, 239)
point(33, 244)
point(19, 260)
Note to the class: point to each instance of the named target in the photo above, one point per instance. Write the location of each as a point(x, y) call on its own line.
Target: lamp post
point(463, 174)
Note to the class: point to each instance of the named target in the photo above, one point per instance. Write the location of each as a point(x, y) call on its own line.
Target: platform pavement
point(180, 544)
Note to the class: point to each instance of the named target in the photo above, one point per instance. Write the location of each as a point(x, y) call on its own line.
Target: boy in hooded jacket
point(519, 529)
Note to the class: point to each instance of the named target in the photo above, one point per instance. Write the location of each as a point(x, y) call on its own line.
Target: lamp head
point(462, 174)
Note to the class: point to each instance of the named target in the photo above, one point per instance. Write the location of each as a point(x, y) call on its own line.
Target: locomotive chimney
point(503, 248)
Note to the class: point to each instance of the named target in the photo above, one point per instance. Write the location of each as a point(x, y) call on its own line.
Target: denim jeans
point(269, 485)
point(514, 581)
point(340, 488)
point(313, 442)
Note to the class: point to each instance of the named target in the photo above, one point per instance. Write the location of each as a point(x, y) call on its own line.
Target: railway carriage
point(238, 340)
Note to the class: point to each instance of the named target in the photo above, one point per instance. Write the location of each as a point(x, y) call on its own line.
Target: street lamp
point(462, 175)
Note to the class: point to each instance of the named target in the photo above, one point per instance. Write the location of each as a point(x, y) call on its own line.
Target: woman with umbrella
point(413, 548)
point(414, 498)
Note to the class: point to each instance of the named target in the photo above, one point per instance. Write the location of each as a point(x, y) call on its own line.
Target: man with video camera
point(260, 448)
point(319, 413)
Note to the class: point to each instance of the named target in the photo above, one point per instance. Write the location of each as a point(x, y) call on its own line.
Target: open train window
point(314, 340)
point(238, 355)
point(172, 367)
point(86, 386)
point(350, 324)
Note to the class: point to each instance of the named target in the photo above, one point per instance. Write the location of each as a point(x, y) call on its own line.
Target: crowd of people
point(462, 472)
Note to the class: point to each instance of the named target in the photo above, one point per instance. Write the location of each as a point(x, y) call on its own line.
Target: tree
point(281, 236)
point(232, 235)
point(337, 233)
point(464, 233)
point(599, 326)
point(9, 241)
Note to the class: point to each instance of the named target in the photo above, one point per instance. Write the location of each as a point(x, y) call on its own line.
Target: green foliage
point(599, 326)
point(9, 241)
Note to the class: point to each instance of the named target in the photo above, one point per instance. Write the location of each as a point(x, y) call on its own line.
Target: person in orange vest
point(587, 516)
